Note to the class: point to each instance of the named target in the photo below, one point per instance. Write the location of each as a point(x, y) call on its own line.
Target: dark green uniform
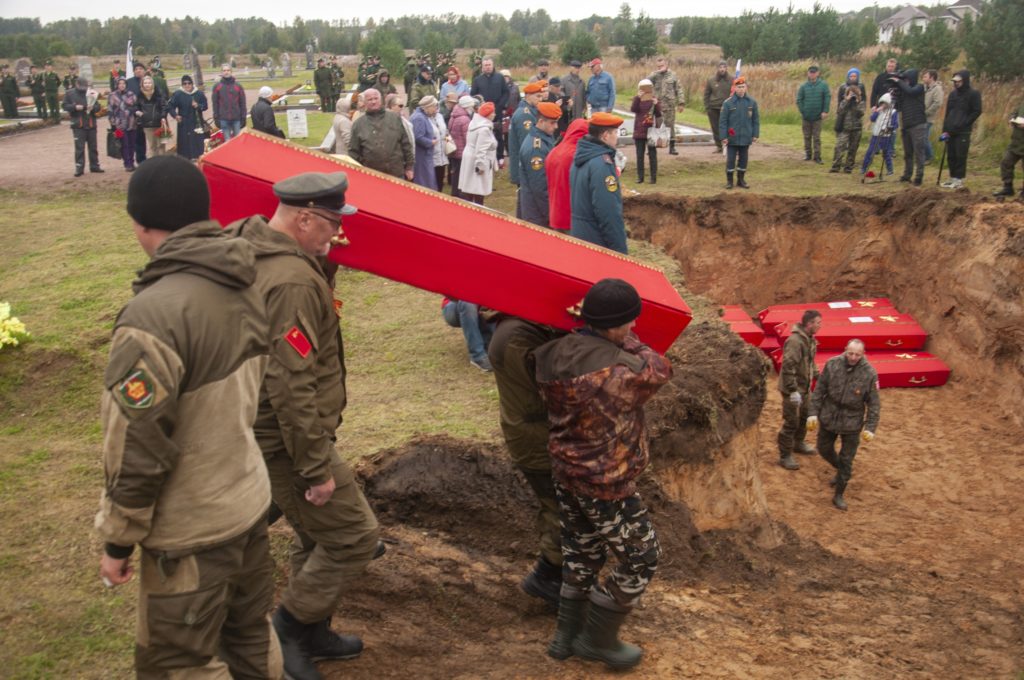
point(37, 87)
point(796, 375)
point(9, 95)
point(322, 81)
point(51, 84)
point(1014, 152)
point(301, 401)
point(533, 187)
point(337, 84)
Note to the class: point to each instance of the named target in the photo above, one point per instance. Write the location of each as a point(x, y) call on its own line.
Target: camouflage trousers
point(591, 528)
point(843, 462)
point(794, 424)
point(847, 143)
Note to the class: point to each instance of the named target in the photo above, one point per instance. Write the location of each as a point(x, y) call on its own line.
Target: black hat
point(186, 79)
point(575, 63)
point(543, 62)
point(168, 193)
point(611, 303)
point(426, 69)
point(322, 190)
point(555, 81)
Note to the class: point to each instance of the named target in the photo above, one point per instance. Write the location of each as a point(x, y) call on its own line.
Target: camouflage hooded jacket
point(595, 392)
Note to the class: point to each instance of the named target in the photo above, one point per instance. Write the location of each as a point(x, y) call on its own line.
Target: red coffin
point(881, 332)
point(774, 317)
point(901, 369)
point(432, 241)
point(865, 304)
point(769, 344)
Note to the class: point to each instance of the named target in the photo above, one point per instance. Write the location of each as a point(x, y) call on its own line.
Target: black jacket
point(492, 88)
point(86, 118)
point(153, 109)
point(911, 102)
point(263, 118)
point(880, 87)
point(962, 108)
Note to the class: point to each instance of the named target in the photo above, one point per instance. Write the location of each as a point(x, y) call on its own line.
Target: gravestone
point(286, 64)
point(85, 69)
point(186, 60)
point(309, 57)
point(298, 126)
point(21, 70)
point(269, 66)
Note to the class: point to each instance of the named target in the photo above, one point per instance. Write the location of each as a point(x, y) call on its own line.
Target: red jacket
point(559, 161)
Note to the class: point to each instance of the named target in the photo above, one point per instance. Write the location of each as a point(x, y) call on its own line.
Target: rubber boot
point(672, 148)
point(572, 610)
point(599, 639)
point(325, 644)
point(295, 638)
point(1007, 190)
point(544, 582)
point(787, 461)
point(804, 448)
point(728, 180)
point(837, 500)
point(739, 180)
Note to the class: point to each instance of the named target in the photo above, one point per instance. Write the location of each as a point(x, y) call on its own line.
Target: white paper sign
point(861, 319)
point(839, 305)
point(297, 125)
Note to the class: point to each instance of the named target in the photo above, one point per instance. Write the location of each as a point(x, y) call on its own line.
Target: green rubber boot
point(572, 610)
point(599, 639)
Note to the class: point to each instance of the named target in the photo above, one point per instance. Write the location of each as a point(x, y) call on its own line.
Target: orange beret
point(549, 110)
point(486, 109)
point(740, 81)
point(535, 87)
point(602, 119)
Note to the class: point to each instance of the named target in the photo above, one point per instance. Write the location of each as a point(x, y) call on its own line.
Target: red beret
point(740, 81)
point(486, 109)
point(535, 87)
point(549, 110)
point(602, 119)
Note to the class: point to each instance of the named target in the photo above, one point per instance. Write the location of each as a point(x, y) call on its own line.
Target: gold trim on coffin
point(346, 161)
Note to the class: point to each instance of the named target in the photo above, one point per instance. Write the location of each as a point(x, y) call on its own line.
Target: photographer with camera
point(882, 84)
point(849, 121)
point(914, 124)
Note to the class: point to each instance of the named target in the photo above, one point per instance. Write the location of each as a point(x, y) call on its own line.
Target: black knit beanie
point(611, 303)
point(168, 193)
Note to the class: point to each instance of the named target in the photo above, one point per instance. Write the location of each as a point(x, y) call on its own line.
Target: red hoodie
point(559, 161)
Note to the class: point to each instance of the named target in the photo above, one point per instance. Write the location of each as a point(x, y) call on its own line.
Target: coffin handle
point(894, 343)
point(340, 240)
point(576, 310)
point(918, 381)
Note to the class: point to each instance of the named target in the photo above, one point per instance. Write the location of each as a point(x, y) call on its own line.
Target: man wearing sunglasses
point(301, 401)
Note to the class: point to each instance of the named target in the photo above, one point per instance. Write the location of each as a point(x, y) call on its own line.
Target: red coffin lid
point(866, 303)
point(748, 330)
point(884, 331)
point(774, 317)
point(769, 344)
point(435, 242)
point(900, 369)
point(734, 313)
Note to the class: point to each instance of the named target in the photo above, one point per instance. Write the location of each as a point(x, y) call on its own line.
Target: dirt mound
point(954, 261)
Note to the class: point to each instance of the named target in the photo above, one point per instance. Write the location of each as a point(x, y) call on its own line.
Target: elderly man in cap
point(301, 400)
point(185, 478)
point(262, 114)
point(575, 91)
point(523, 121)
point(600, 88)
point(595, 382)
point(542, 71)
point(596, 191)
point(846, 388)
point(717, 89)
point(533, 153)
point(379, 140)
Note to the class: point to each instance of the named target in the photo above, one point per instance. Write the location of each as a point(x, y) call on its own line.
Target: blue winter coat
point(519, 129)
point(424, 134)
point(601, 91)
point(533, 187)
point(597, 196)
point(739, 114)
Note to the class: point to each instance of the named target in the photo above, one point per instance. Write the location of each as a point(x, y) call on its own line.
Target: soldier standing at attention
point(301, 401)
point(847, 386)
point(668, 94)
point(533, 154)
point(322, 82)
point(337, 82)
point(8, 92)
point(51, 84)
point(795, 377)
point(185, 479)
point(37, 87)
point(596, 193)
point(595, 382)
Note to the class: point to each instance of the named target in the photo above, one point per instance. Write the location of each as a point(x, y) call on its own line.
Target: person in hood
point(185, 477)
point(300, 406)
point(559, 163)
point(479, 156)
point(885, 121)
point(914, 124)
point(596, 194)
point(384, 84)
point(262, 114)
point(962, 108)
point(850, 105)
point(228, 104)
point(342, 124)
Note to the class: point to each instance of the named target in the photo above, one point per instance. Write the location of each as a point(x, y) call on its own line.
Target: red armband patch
point(299, 342)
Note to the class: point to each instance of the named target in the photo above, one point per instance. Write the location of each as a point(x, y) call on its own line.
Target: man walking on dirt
point(185, 478)
point(795, 377)
point(300, 407)
point(847, 386)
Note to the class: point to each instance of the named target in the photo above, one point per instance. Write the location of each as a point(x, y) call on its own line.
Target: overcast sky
point(283, 12)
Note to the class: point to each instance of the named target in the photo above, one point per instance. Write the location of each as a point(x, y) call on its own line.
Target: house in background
point(961, 10)
point(901, 22)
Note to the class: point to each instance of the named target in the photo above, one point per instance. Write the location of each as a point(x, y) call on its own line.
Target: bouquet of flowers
point(164, 134)
point(12, 331)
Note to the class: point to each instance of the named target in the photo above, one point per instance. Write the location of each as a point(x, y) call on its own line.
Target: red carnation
point(119, 133)
point(732, 133)
point(870, 174)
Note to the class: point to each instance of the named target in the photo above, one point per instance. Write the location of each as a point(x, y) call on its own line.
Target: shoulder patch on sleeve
point(527, 124)
point(611, 183)
point(136, 390)
point(298, 341)
point(536, 163)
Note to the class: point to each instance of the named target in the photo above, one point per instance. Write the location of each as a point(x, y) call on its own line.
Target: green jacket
point(9, 86)
point(182, 467)
point(322, 79)
point(716, 91)
point(798, 367)
point(666, 88)
point(421, 89)
point(812, 99)
point(303, 393)
point(1017, 136)
point(843, 393)
point(379, 141)
point(36, 85)
point(52, 82)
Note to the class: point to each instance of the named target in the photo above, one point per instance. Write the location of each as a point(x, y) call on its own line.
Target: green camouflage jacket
point(842, 394)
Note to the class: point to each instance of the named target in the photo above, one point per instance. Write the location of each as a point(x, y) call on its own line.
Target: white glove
point(812, 423)
point(796, 398)
point(867, 435)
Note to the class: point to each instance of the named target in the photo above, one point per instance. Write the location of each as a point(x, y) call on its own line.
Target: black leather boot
point(544, 582)
point(1007, 190)
point(599, 639)
point(325, 644)
point(672, 148)
point(740, 182)
point(572, 610)
point(295, 646)
point(728, 180)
